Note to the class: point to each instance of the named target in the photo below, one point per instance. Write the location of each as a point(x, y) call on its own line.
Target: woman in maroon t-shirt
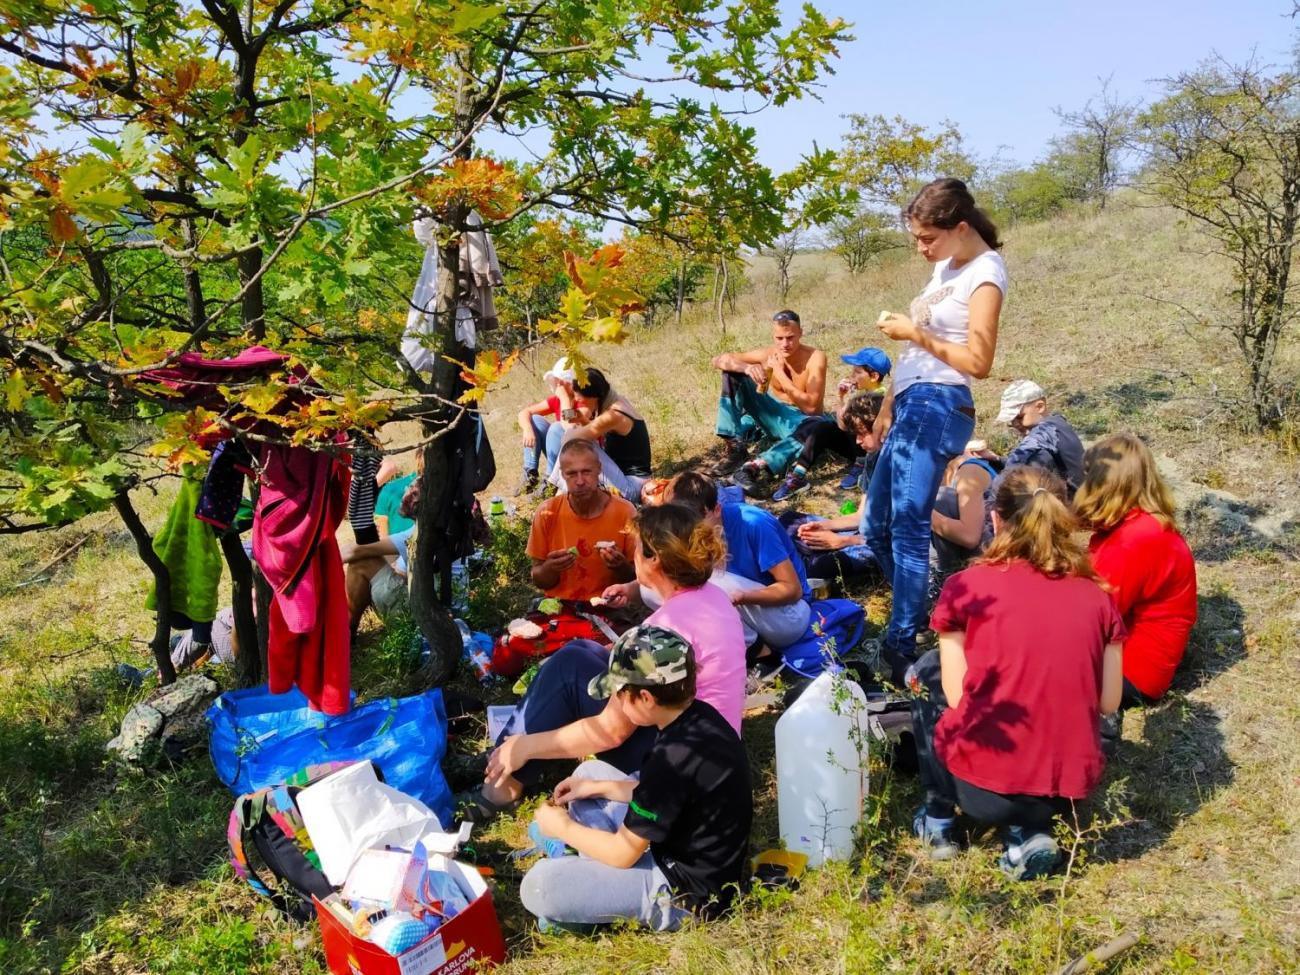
point(1029, 654)
point(1138, 551)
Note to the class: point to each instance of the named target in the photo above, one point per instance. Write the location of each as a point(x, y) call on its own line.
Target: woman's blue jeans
point(932, 424)
point(541, 430)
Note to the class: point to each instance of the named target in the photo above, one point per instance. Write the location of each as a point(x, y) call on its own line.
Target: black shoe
point(754, 480)
point(734, 453)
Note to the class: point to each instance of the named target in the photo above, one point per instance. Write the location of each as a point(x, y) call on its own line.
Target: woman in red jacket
point(1138, 551)
point(1029, 657)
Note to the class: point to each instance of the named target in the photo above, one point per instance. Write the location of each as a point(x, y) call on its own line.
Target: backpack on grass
point(270, 818)
point(836, 626)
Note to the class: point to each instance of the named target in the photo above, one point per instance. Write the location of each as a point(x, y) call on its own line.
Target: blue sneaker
point(547, 845)
point(1032, 857)
point(936, 834)
point(792, 485)
point(851, 477)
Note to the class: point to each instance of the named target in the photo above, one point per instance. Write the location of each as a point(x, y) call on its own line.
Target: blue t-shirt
point(756, 542)
point(389, 504)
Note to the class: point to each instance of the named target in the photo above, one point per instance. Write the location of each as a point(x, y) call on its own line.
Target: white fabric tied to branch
point(479, 273)
point(418, 336)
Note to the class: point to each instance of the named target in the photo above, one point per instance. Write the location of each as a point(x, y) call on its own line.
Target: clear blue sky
point(998, 67)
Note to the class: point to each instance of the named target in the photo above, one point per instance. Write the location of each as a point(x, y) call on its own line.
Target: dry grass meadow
point(1196, 844)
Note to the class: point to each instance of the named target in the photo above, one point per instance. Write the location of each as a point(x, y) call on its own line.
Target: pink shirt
point(711, 625)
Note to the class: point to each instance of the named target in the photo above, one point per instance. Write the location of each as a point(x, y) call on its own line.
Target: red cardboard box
point(473, 937)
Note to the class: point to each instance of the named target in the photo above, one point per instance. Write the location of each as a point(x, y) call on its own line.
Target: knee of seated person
point(534, 890)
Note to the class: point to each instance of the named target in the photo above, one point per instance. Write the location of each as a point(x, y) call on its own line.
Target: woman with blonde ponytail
point(675, 554)
point(1028, 660)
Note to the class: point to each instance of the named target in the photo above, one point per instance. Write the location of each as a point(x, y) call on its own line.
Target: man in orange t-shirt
point(579, 542)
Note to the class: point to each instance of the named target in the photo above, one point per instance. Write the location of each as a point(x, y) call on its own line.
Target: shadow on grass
point(1096, 413)
point(1221, 529)
point(82, 841)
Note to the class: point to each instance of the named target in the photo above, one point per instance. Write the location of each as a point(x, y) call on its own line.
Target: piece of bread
point(884, 316)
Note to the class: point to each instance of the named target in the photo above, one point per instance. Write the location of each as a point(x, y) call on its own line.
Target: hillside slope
point(1198, 844)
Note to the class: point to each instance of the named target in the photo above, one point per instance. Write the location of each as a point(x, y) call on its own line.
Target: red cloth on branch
point(302, 501)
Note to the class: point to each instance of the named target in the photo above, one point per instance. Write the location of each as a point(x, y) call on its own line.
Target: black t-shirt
point(695, 805)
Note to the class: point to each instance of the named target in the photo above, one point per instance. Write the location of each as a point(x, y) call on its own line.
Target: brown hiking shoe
point(732, 454)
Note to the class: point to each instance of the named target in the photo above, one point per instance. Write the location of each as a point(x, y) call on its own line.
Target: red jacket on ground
point(1154, 579)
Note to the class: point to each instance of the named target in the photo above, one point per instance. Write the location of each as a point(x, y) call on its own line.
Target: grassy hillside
point(1197, 845)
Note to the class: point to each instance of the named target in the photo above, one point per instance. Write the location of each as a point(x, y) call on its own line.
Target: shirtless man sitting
point(772, 389)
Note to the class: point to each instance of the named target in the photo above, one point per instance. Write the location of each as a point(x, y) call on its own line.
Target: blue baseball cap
point(869, 358)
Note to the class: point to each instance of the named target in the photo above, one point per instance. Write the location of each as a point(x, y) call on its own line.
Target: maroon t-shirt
point(1028, 718)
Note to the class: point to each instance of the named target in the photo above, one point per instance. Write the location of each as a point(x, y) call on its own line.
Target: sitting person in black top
point(618, 429)
point(1049, 440)
point(672, 841)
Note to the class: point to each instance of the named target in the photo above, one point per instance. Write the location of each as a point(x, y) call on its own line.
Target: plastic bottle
point(479, 658)
point(821, 768)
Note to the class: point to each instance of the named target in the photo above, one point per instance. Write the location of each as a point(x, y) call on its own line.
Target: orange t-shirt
point(555, 527)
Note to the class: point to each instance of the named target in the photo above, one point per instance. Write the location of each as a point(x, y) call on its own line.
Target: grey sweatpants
point(579, 890)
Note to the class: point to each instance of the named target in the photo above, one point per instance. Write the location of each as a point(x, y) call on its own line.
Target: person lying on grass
point(836, 548)
point(670, 842)
point(1028, 659)
point(1137, 549)
point(818, 434)
point(675, 553)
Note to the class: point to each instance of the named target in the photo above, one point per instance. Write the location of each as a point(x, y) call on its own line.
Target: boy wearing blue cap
point(822, 433)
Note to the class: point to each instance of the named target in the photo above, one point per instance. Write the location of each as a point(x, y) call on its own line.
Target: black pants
point(945, 791)
point(558, 696)
point(818, 435)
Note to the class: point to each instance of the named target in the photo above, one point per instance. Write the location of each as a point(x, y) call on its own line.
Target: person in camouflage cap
point(644, 656)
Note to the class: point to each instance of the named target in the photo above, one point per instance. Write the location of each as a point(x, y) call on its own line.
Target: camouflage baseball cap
point(644, 656)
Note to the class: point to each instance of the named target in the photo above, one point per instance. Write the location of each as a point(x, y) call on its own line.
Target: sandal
point(472, 806)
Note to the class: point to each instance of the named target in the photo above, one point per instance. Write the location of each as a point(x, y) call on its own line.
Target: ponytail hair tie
point(1038, 491)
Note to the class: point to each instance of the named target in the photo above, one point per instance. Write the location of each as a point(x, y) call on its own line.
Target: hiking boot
point(793, 484)
point(851, 476)
point(734, 453)
point(936, 835)
point(528, 485)
point(1035, 856)
point(751, 479)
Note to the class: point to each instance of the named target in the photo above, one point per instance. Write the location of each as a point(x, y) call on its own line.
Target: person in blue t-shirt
point(765, 574)
point(388, 506)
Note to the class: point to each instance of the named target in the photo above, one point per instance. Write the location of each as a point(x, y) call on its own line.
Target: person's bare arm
point(975, 358)
point(621, 849)
point(610, 421)
point(972, 481)
point(782, 591)
point(952, 665)
point(354, 552)
point(1112, 678)
point(599, 733)
point(750, 363)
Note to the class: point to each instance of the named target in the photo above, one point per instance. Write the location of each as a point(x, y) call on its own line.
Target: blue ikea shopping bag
point(261, 739)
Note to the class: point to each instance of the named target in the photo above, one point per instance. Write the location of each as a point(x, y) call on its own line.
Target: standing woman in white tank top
point(929, 414)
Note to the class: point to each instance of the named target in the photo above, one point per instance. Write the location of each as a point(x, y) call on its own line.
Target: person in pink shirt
point(675, 554)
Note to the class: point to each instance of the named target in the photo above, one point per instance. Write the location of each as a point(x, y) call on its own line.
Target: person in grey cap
point(671, 841)
point(1049, 440)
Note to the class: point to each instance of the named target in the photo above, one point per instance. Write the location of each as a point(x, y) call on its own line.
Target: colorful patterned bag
point(270, 818)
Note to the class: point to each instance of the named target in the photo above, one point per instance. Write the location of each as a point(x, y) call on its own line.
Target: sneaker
point(849, 481)
point(734, 453)
point(750, 479)
point(792, 485)
point(1035, 856)
point(936, 835)
point(528, 485)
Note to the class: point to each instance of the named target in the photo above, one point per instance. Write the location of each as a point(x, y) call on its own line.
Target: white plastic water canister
point(821, 768)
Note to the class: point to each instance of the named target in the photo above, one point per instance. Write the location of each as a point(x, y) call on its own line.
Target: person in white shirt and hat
point(535, 423)
point(1049, 440)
